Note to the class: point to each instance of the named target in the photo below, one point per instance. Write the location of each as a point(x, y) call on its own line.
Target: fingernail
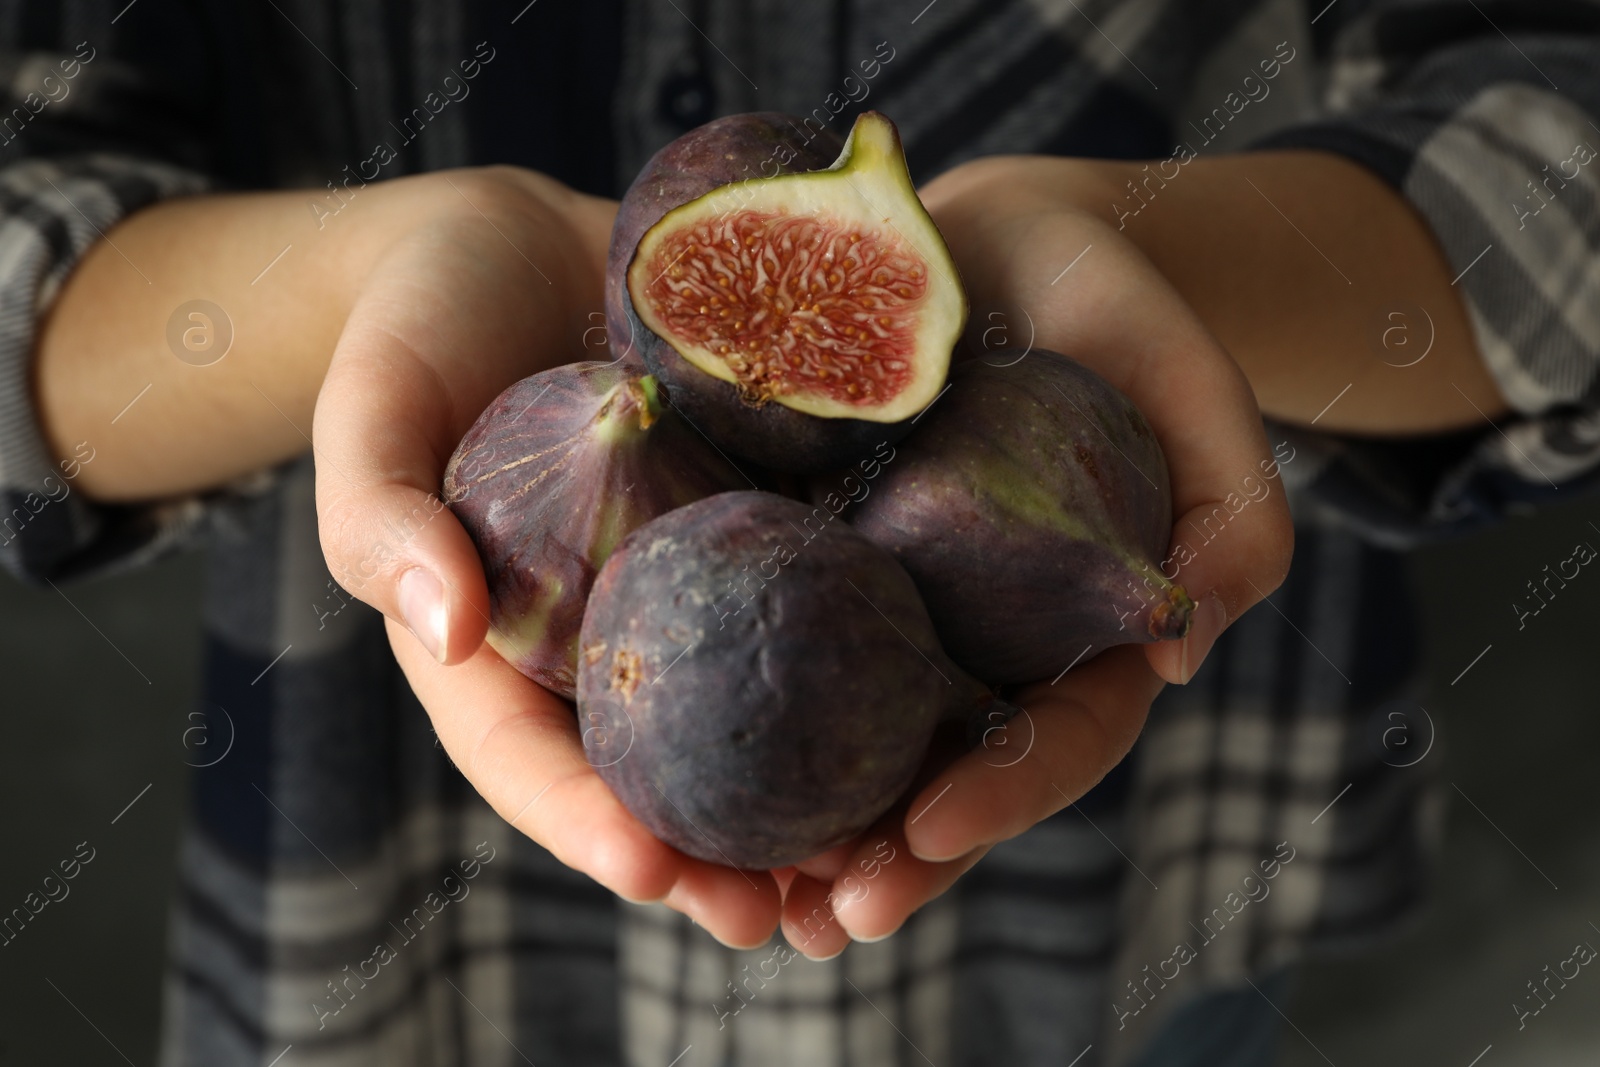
point(841, 912)
point(739, 948)
point(1210, 619)
point(801, 945)
point(422, 608)
point(933, 857)
point(640, 903)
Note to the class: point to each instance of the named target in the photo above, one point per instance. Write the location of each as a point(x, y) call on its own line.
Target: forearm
point(161, 417)
point(1304, 313)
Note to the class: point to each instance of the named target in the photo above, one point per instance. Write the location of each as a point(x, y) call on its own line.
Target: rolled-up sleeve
point(83, 143)
point(1486, 117)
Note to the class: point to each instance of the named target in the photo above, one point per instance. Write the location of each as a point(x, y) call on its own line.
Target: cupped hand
point(1042, 262)
point(484, 277)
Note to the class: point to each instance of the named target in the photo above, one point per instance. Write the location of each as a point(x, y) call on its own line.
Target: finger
point(1233, 536)
point(1225, 581)
point(826, 866)
point(885, 883)
point(784, 876)
point(808, 920)
point(417, 361)
point(738, 908)
point(520, 747)
point(382, 438)
point(1068, 736)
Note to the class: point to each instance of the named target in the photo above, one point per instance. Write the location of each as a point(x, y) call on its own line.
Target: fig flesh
point(799, 318)
point(720, 153)
point(555, 472)
point(1031, 507)
point(758, 685)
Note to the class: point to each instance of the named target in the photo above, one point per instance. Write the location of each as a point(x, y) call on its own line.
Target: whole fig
point(759, 683)
point(1031, 507)
point(556, 471)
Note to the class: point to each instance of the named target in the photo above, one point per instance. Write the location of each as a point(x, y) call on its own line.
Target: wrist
point(1321, 280)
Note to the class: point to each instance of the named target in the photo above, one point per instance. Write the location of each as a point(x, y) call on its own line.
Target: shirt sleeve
point(72, 164)
point(1486, 117)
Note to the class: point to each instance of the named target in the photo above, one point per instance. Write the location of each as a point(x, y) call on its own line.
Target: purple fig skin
point(1032, 507)
point(761, 685)
point(555, 472)
point(727, 150)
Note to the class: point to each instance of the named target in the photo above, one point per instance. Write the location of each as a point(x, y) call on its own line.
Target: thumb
point(1249, 559)
point(397, 547)
point(381, 437)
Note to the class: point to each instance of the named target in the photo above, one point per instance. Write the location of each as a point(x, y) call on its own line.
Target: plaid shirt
point(325, 899)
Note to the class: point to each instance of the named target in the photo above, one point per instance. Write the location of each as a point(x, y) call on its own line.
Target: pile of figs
point(779, 539)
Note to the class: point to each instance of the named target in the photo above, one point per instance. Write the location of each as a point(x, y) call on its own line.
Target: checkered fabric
point(1255, 820)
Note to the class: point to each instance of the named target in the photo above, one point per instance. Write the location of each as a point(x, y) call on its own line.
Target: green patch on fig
point(554, 474)
point(1032, 508)
point(777, 683)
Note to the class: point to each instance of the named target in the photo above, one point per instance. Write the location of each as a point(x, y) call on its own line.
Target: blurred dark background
point(86, 730)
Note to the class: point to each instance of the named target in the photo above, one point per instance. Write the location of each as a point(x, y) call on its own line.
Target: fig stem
point(650, 411)
point(1170, 619)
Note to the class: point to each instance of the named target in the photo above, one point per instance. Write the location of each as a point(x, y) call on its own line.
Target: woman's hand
point(499, 284)
point(1060, 274)
point(432, 294)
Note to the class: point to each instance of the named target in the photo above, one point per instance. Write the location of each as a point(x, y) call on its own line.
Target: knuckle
point(335, 530)
point(498, 190)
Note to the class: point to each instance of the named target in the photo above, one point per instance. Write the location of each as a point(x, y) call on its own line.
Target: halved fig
point(556, 471)
point(800, 319)
point(724, 152)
